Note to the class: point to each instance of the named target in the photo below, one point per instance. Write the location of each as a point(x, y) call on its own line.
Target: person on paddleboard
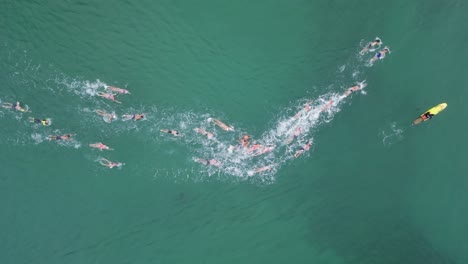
point(427, 115)
point(430, 113)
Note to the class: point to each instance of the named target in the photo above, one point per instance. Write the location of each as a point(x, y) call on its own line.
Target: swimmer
point(379, 55)
point(355, 88)
point(110, 164)
point(427, 115)
point(109, 96)
point(254, 147)
point(296, 133)
point(207, 162)
point(16, 106)
point(108, 117)
point(244, 141)
point(328, 105)
point(306, 109)
point(117, 90)
point(263, 150)
point(135, 117)
point(202, 131)
point(100, 146)
point(44, 122)
point(63, 137)
point(261, 169)
point(377, 42)
point(303, 149)
point(221, 124)
point(173, 132)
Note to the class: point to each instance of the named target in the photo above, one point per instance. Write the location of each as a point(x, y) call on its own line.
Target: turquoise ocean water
point(372, 189)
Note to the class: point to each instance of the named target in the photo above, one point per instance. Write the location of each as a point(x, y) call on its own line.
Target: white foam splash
point(391, 134)
point(37, 138)
point(82, 87)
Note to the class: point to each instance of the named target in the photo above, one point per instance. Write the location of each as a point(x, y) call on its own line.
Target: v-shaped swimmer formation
point(291, 135)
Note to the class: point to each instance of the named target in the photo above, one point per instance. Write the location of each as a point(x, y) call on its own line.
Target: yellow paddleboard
point(433, 111)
